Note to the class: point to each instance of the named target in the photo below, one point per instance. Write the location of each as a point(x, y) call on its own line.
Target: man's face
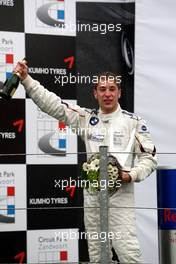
point(107, 93)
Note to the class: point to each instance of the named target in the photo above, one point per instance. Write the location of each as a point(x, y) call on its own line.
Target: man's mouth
point(107, 101)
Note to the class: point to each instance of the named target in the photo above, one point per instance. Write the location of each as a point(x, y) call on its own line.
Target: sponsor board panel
point(52, 63)
point(13, 247)
point(12, 197)
point(9, 12)
point(55, 17)
point(12, 131)
point(48, 141)
point(54, 198)
point(99, 33)
point(52, 246)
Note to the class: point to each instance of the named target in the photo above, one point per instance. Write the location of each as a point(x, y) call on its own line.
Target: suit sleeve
point(52, 104)
point(145, 151)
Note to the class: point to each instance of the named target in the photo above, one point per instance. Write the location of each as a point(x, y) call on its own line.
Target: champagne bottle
point(10, 85)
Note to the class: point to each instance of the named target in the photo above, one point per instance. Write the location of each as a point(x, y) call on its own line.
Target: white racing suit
point(123, 132)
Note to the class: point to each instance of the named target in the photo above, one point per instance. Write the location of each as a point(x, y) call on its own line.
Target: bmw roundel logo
point(144, 128)
point(94, 120)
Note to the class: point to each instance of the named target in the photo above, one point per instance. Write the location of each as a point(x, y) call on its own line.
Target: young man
point(121, 131)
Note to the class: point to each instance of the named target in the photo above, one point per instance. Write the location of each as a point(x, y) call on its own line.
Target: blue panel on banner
point(60, 14)
point(166, 193)
point(10, 209)
point(62, 143)
point(8, 74)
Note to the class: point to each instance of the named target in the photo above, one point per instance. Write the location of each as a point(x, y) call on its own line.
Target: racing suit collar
point(110, 115)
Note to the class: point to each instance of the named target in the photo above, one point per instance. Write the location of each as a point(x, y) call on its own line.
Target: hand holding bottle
point(21, 69)
point(11, 84)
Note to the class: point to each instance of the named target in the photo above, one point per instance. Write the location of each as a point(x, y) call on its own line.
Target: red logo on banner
point(61, 125)
point(71, 61)
point(169, 216)
point(20, 124)
point(71, 190)
point(9, 58)
point(20, 256)
point(11, 191)
point(63, 255)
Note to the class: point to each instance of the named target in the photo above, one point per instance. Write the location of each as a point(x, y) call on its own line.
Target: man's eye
point(112, 89)
point(102, 89)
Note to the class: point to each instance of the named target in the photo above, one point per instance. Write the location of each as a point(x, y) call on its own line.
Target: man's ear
point(120, 93)
point(95, 93)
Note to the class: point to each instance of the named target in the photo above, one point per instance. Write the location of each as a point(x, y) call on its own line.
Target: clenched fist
point(22, 69)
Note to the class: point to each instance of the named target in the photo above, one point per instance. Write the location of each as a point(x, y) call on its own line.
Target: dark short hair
point(107, 75)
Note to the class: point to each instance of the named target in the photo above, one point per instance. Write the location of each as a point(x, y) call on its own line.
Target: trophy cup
point(10, 85)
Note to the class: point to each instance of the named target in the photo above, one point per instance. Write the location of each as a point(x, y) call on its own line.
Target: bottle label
point(12, 92)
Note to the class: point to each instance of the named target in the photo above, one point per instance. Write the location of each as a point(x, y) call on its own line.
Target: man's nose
point(107, 93)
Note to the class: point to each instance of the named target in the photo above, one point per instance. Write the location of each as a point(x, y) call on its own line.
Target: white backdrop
point(155, 91)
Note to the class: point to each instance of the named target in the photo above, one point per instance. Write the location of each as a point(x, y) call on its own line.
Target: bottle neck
point(18, 74)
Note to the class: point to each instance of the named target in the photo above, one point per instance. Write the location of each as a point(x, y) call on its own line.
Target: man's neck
point(106, 112)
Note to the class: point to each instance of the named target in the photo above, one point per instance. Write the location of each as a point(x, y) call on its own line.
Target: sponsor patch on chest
point(96, 137)
point(118, 138)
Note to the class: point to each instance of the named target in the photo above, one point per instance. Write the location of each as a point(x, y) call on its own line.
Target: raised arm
point(49, 102)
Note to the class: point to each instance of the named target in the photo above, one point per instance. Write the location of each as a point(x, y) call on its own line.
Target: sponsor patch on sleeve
point(142, 127)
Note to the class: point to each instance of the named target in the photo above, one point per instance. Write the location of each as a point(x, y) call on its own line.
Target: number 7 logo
point(20, 256)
